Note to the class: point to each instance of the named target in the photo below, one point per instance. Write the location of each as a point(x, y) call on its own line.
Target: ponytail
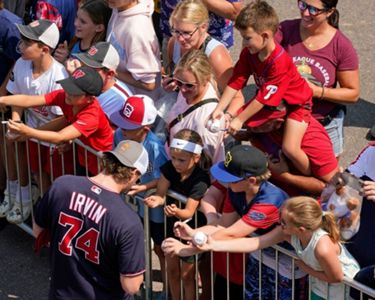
point(333, 19)
point(329, 224)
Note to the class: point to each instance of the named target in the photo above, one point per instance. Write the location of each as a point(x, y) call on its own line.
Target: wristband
point(322, 95)
point(229, 114)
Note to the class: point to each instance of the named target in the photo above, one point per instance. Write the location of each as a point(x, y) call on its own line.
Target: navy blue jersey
point(95, 237)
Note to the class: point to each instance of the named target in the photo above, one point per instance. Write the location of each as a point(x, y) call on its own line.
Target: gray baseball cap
point(131, 154)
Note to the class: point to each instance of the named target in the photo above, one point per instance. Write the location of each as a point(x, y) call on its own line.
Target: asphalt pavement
point(25, 275)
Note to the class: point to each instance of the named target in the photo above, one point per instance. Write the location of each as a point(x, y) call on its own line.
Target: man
point(265, 131)
point(97, 244)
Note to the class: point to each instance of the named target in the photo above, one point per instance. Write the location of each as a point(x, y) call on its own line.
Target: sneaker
point(7, 203)
point(15, 216)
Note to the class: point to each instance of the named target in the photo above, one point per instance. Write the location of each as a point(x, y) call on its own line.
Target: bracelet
point(229, 114)
point(322, 95)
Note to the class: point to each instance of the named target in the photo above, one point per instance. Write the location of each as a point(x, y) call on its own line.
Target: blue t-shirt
point(156, 158)
point(95, 237)
point(9, 38)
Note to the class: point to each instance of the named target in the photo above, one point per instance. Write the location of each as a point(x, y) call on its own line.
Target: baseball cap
point(266, 114)
point(82, 81)
point(138, 111)
point(240, 162)
point(100, 55)
point(43, 31)
point(131, 154)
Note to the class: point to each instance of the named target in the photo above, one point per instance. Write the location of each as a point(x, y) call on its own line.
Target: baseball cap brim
point(221, 174)
point(83, 57)
point(70, 87)
point(117, 119)
point(27, 32)
point(265, 115)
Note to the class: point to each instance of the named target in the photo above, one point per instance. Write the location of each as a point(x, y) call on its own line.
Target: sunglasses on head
point(314, 11)
point(186, 85)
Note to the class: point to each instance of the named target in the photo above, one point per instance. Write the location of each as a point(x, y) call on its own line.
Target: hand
point(172, 247)
point(168, 83)
point(72, 64)
point(368, 190)
point(154, 201)
point(64, 147)
point(183, 230)
point(317, 90)
point(137, 188)
point(217, 114)
point(61, 52)
point(235, 126)
point(18, 131)
point(170, 210)
point(279, 164)
point(208, 245)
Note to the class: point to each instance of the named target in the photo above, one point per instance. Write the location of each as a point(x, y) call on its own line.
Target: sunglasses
point(184, 34)
point(186, 85)
point(313, 11)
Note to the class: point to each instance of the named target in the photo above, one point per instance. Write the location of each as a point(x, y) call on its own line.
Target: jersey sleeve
point(242, 71)
point(347, 56)
point(159, 157)
point(262, 216)
point(55, 98)
point(198, 190)
point(131, 257)
point(361, 166)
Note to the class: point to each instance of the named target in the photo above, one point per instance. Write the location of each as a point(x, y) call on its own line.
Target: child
point(35, 73)
point(316, 239)
point(134, 120)
point(83, 117)
point(185, 174)
point(90, 27)
point(276, 77)
point(131, 32)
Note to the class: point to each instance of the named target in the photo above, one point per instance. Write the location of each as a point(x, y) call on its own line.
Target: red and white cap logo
point(92, 51)
point(78, 74)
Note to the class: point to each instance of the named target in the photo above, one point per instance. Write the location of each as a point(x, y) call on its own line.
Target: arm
point(369, 190)
point(211, 203)
point(184, 213)
point(225, 99)
point(131, 284)
point(138, 188)
point(23, 100)
point(159, 198)
point(224, 8)
point(66, 134)
point(328, 260)
point(36, 229)
point(127, 77)
point(347, 93)
point(237, 122)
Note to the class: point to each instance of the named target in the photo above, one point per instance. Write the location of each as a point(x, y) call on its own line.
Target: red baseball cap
point(266, 114)
point(138, 111)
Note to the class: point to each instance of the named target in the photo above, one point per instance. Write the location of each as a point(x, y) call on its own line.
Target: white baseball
point(199, 238)
point(11, 135)
point(213, 125)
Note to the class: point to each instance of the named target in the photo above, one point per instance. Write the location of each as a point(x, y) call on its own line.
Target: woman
point(327, 59)
point(193, 76)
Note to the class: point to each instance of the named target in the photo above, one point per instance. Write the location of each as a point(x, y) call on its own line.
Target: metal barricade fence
point(148, 282)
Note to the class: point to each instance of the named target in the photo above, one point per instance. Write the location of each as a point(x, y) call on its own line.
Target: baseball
point(199, 238)
point(11, 135)
point(213, 125)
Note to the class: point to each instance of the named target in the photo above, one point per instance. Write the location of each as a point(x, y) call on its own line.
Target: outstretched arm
point(224, 8)
point(23, 100)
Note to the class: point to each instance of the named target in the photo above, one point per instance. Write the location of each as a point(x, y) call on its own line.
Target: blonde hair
point(306, 212)
point(259, 16)
point(197, 63)
point(194, 137)
point(190, 11)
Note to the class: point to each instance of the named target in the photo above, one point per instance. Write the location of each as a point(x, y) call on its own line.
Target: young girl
point(90, 27)
point(186, 173)
point(316, 240)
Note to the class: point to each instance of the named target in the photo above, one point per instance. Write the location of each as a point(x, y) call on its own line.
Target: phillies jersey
point(276, 78)
point(95, 237)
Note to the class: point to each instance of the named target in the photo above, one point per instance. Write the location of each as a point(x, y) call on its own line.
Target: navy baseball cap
point(241, 161)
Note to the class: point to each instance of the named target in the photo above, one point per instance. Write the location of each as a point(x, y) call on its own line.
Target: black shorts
point(156, 232)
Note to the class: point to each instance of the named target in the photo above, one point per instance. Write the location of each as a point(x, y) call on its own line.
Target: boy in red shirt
point(276, 77)
point(83, 117)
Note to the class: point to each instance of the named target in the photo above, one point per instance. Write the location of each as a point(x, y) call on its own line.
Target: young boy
point(35, 73)
point(138, 49)
point(83, 116)
point(104, 58)
point(276, 77)
point(134, 121)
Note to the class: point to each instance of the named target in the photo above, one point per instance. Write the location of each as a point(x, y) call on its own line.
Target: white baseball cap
point(138, 111)
point(43, 31)
point(100, 55)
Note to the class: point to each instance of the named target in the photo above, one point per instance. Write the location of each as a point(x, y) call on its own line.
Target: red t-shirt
point(319, 66)
point(91, 122)
point(277, 78)
point(315, 143)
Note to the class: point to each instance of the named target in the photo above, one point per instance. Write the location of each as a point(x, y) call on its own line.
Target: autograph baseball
point(213, 125)
point(199, 238)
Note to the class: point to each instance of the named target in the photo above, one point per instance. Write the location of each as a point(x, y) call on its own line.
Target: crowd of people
point(151, 86)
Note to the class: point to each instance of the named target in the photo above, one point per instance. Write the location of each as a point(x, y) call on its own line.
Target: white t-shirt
point(22, 82)
point(213, 142)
